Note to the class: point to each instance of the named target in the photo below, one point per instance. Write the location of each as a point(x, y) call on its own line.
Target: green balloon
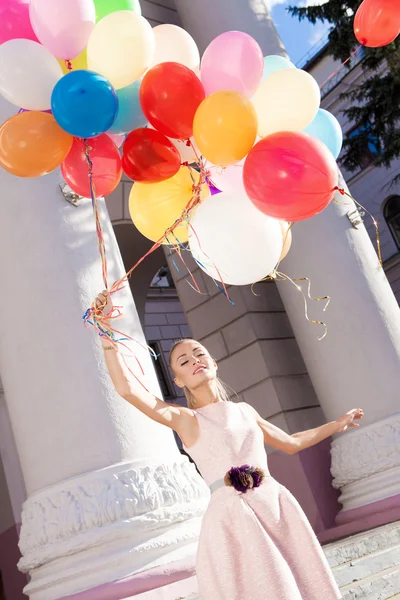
point(106, 7)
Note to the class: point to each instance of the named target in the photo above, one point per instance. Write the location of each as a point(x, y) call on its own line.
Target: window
point(391, 212)
point(162, 279)
point(367, 142)
point(161, 371)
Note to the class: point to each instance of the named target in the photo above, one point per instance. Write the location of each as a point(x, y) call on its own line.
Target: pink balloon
point(233, 61)
point(117, 138)
point(62, 26)
point(14, 21)
point(227, 179)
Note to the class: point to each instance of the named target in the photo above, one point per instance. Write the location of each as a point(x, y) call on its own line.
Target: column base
point(174, 580)
point(364, 522)
point(366, 467)
point(111, 525)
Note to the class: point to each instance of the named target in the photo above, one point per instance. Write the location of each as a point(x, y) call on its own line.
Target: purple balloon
point(14, 21)
point(21, 110)
point(213, 189)
point(233, 61)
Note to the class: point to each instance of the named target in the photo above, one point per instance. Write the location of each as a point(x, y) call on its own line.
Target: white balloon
point(286, 100)
point(227, 179)
point(28, 74)
point(233, 241)
point(174, 44)
point(121, 47)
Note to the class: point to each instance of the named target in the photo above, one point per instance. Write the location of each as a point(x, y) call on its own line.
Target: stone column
point(359, 362)
point(109, 494)
point(206, 19)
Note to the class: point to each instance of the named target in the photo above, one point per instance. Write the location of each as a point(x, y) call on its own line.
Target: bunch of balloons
point(240, 133)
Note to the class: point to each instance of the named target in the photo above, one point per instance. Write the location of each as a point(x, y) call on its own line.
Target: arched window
point(391, 213)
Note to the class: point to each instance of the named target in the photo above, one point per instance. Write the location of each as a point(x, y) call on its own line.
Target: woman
point(255, 543)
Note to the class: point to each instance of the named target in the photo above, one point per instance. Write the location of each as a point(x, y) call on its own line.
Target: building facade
point(110, 507)
point(370, 185)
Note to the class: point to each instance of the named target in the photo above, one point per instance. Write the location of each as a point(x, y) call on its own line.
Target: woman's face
point(192, 365)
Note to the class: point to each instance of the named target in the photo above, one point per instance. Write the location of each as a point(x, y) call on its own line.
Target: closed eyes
point(197, 356)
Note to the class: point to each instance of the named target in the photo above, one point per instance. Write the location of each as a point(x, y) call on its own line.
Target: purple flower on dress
point(244, 478)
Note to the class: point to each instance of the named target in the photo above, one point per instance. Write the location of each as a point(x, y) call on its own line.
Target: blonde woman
point(256, 542)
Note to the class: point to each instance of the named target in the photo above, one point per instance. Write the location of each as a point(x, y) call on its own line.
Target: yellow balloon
point(154, 207)
point(225, 127)
point(78, 63)
point(286, 100)
point(121, 47)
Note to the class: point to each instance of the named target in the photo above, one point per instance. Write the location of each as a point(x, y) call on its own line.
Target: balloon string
point(343, 192)
point(96, 211)
point(94, 317)
point(225, 291)
point(279, 276)
point(340, 67)
point(68, 64)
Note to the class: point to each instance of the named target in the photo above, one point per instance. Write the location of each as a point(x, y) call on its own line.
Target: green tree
point(374, 105)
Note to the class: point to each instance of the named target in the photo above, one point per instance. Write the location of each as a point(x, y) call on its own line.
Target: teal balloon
point(275, 63)
point(130, 115)
point(326, 128)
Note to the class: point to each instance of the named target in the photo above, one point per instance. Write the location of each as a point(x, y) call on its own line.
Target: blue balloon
point(84, 103)
point(275, 63)
point(326, 128)
point(130, 115)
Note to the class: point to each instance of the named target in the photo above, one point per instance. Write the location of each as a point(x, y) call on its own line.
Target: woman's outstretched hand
point(348, 419)
point(104, 303)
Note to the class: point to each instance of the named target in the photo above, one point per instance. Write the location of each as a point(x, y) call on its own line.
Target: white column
point(109, 493)
point(358, 363)
point(205, 19)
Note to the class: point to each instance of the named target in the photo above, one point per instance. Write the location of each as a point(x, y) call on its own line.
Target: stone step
point(184, 589)
point(367, 565)
point(380, 586)
point(362, 544)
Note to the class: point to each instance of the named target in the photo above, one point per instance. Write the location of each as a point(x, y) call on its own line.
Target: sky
point(298, 37)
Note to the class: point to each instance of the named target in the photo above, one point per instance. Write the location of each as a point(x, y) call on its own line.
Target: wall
point(12, 494)
point(165, 323)
point(160, 11)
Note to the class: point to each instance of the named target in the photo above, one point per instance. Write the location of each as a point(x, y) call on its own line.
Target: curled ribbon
point(278, 276)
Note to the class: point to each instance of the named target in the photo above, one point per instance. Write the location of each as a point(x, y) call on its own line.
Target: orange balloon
point(32, 144)
point(225, 127)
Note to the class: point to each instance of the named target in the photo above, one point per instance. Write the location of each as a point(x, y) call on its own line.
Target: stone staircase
point(367, 565)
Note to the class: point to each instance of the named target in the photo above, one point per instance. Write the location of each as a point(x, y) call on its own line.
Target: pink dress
point(256, 545)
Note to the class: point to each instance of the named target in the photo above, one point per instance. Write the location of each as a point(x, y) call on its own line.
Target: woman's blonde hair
point(224, 391)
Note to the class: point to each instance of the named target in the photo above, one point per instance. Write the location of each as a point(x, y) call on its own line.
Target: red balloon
point(170, 94)
point(149, 156)
point(107, 169)
point(377, 22)
point(290, 176)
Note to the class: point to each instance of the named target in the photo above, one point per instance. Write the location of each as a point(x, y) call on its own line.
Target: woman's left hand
point(355, 414)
